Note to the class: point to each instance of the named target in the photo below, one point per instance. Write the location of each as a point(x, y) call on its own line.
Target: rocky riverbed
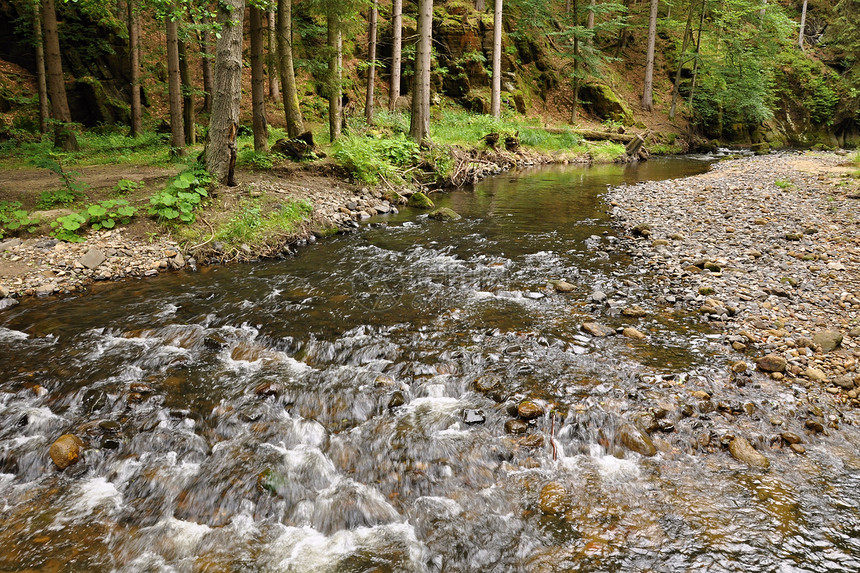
point(766, 248)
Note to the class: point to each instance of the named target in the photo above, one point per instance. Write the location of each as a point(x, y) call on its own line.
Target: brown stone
point(66, 450)
point(553, 499)
point(529, 410)
point(772, 363)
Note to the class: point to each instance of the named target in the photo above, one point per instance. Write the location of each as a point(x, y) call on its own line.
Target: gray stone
point(9, 244)
point(828, 340)
point(845, 382)
point(92, 259)
point(598, 296)
point(8, 303)
point(562, 286)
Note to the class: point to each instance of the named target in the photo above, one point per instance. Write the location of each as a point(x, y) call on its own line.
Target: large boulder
point(603, 103)
point(828, 340)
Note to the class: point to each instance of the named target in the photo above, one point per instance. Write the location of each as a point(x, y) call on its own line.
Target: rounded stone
point(529, 410)
point(66, 450)
point(553, 499)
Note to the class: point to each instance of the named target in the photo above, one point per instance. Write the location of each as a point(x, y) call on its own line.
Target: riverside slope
point(766, 248)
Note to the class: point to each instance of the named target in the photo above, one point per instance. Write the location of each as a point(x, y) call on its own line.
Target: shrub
point(177, 201)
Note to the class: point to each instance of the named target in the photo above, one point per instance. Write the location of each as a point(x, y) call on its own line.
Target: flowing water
point(346, 411)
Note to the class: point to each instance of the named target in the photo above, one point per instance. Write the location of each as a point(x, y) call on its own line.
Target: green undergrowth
point(258, 222)
point(104, 148)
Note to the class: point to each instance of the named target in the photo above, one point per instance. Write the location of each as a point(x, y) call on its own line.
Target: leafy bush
point(13, 219)
point(58, 197)
point(126, 186)
point(370, 159)
point(102, 215)
point(73, 187)
point(177, 201)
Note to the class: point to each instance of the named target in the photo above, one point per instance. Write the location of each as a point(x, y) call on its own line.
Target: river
point(355, 409)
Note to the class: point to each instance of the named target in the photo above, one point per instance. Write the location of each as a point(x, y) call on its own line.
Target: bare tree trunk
point(134, 64)
point(335, 96)
point(258, 81)
point(64, 137)
point(188, 116)
point(396, 51)
point(293, 113)
point(575, 106)
point(648, 88)
point(206, 62)
point(802, 25)
point(272, 60)
point(681, 62)
point(589, 23)
point(496, 95)
point(371, 71)
point(480, 5)
point(220, 151)
point(44, 109)
point(419, 127)
point(174, 87)
point(696, 61)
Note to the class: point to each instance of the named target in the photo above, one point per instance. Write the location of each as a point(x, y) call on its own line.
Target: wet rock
point(473, 416)
point(110, 443)
point(8, 303)
point(529, 410)
point(553, 499)
point(701, 395)
point(771, 363)
point(532, 441)
point(828, 340)
point(268, 389)
point(420, 201)
point(397, 399)
point(631, 332)
point(743, 451)
point(641, 230)
point(815, 374)
point(215, 342)
point(636, 440)
point(798, 448)
point(516, 427)
point(596, 329)
point(66, 450)
point(634, 311)
point(739, 367)
point(92, 258)
point(598, 296)
point(110, 427)
point(814, 426)
point(562, 286)
point(444, 214)
point(791, 438)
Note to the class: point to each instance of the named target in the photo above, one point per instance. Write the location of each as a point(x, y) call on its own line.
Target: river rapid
point(359, 408)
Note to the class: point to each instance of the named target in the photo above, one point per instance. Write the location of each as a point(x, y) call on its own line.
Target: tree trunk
point(496, 96)
point(419, 127)
point(802, 26)
point(174, 87)
point(272, 60)
point(589, 23)
point(220, 151)
point(44, 109)
point(64, 138)
point(134, 65)
point(188, 117)
point(293, 113)
point(480, 5)
point(335, 96)
point(681, 62)
point(696, 60)
point(396, 50)
point(648, 88)
point(574, 109)
point(371, 71)
point(258, 83)
point(206, 62)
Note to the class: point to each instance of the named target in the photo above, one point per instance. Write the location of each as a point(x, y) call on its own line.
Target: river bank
point(766, 248)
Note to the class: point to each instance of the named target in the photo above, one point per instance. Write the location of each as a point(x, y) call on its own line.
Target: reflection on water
point(355, 409)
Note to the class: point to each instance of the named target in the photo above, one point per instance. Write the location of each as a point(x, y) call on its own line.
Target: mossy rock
point(420, 201)
point(604, 103)
point(445, 214)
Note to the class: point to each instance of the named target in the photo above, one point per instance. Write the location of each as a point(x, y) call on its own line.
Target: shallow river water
point(345, 411)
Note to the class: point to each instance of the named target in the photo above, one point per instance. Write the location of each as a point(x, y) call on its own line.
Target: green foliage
point(783, 183)
point(58, 197)
point(126, 186)
point(102, 215)
point(811, 83)
point(370, 159)
point(260, 161)
point(252, 225)
point(185, 192)
point(13, 219)
point(73, 186)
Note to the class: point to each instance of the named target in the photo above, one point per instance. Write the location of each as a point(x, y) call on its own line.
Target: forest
point(416, 88)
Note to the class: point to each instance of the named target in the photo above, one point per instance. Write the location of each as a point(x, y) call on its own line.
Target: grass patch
point(783, 183)
point(254, 223)
point(371, 159)
point(606, 151)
